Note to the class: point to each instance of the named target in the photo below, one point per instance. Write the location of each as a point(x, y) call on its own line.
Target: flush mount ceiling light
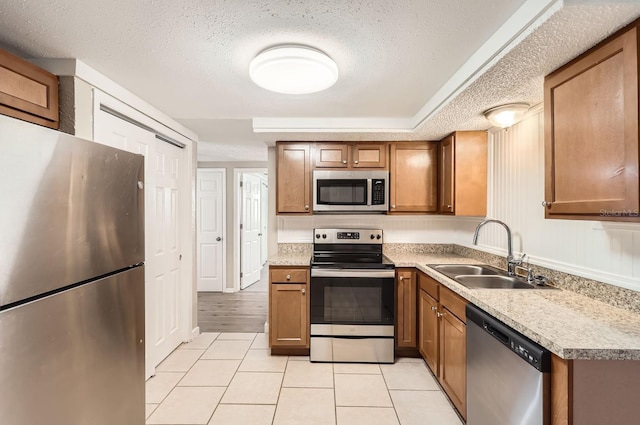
point(506, 115)
point(292, 69)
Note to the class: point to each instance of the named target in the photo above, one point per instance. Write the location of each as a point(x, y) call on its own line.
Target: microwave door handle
point(369, 186)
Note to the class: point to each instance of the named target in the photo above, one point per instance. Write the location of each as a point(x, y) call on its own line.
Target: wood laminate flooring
point(243, 311)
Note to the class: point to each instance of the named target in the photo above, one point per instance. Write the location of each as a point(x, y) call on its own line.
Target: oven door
point(351, 297)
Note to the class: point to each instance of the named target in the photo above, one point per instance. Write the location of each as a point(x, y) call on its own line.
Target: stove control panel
point(351, 236)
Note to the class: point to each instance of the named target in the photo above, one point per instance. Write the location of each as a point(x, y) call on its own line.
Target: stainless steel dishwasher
point(508, 375)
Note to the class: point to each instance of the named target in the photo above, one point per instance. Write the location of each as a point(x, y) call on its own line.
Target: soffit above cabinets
point(414, 69)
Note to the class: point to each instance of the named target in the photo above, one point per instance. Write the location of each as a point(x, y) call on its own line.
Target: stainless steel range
point(352, 297)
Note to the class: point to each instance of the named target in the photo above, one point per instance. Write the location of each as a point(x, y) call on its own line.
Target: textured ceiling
point(190, 59)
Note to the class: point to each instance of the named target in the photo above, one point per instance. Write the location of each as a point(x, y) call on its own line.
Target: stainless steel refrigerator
point(71, 280)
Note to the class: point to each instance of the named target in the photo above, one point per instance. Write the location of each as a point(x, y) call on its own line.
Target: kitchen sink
point(478, 276)
point(493, 282)
point(452, 270)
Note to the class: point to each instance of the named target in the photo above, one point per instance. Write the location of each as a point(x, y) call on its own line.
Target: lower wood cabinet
point(442, 334)
point(288, 307)
point(594, 392)
point(428, 329)
point(406, 305)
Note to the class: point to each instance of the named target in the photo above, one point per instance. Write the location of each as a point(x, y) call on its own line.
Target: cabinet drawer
point(429, 285)
point(453, 302)
point(288, 276)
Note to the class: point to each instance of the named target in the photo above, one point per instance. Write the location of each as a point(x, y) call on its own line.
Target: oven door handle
point(353, 273)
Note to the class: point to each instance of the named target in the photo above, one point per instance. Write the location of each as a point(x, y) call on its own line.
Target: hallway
point(243, 311)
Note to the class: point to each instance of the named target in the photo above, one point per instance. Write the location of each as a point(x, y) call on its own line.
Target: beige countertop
point(570, 325)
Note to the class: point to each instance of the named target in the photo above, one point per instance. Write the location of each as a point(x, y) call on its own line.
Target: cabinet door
point(428, 329)
point(288, 324)
point(28, 92)
point(293, 178)
point(406, 316)
point(331, 155)
point(369, 155)
point(413, 177)
point(591, 134)
point(447, 189)
point(453, 367)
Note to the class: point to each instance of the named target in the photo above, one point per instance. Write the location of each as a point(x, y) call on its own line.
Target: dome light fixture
point(506, 115)
point(293, 69)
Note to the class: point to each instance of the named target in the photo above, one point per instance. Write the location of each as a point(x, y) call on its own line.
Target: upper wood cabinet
point(28, 92)
point(591, 133)
point(350, 155)
point(463, 174)
point(293, 178)
point(413, 177)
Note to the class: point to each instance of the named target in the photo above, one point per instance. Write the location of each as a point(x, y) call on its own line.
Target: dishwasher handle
point(500, 336)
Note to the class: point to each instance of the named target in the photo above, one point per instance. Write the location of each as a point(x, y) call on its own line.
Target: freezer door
point(77, 357)
point(72, 210)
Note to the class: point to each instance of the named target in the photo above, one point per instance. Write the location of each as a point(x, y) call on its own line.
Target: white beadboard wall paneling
point(397, 229)
point(608, 252)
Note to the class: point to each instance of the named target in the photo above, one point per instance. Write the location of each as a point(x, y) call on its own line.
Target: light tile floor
point(231, 379)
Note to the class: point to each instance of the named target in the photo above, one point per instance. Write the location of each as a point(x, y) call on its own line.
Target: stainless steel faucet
point(511, 262)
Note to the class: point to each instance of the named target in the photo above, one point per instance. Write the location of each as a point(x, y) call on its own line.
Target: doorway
point(252, 218)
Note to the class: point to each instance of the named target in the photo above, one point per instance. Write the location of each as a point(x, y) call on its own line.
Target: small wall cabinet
point(591, 133)
point(293, 178)
point(413, 175)
point(463, 174)
point(28, 92)
point(288, 307)
point(350, 155)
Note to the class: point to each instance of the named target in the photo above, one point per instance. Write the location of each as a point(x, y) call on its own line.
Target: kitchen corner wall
point(604, 251)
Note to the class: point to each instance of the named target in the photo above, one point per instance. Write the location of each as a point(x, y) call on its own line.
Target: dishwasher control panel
point(528, 350)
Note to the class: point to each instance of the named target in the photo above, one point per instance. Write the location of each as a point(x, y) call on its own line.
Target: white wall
point(604, 251)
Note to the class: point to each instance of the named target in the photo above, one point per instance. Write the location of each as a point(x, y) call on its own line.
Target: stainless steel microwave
point(344, 191)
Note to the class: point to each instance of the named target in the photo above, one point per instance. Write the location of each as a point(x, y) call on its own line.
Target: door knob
point(546, 204)
point(218, 239)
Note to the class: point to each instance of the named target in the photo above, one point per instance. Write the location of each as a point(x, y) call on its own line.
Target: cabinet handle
point(288, 277)
point(439, 314)
point(401, 278)
point(303, 290)
point(448, 207)
point(433, 308)
point(393, 206)
point(344, 161)
point(218, 239)
point(547, 204)
point(355, 162)
point(306, 207)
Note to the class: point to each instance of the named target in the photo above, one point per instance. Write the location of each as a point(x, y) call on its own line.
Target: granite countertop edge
point(572, 326)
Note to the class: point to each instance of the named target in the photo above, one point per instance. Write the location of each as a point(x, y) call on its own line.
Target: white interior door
point(250, 239)
point(165, 254)
point(211, 219)
point(264, 216)
point(114, 132)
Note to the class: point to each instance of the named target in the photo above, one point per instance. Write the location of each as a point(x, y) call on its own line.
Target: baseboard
point(194, 333)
